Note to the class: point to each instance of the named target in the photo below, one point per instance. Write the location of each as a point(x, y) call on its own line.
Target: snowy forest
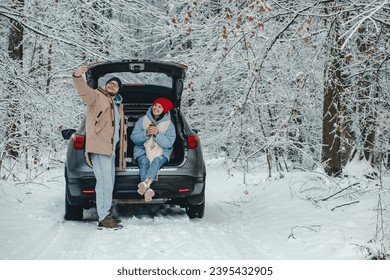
point(276, 85)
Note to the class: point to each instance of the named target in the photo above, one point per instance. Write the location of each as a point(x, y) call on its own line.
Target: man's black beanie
point(117, 80)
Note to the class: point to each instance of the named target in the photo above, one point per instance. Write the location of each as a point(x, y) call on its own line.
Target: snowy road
point(35, 228)
point(258, 220)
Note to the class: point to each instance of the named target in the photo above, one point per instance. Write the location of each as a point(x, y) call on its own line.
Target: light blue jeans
point(149, 169)
point(104, 169)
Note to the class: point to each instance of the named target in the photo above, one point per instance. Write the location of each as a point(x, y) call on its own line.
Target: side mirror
point(67, 133)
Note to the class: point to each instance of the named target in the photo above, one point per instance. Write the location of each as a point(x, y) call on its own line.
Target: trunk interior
point(135, 111)
point(137, 98)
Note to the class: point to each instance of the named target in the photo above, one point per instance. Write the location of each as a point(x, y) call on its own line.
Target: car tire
point(195, 211)
point(73, 213)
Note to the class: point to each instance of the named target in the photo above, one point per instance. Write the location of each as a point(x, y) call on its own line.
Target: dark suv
point(180, 182)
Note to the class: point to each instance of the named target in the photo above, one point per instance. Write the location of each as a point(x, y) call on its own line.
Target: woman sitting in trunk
point(153, 136)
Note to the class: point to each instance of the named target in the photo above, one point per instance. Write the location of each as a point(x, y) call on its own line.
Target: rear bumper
point(177, 184)
point(168, 188)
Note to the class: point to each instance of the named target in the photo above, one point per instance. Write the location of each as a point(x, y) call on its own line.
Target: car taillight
point(88, 191)
point(193, 141)
point(78, 141)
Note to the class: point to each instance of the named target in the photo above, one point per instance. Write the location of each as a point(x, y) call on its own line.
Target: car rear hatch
point(143, 80)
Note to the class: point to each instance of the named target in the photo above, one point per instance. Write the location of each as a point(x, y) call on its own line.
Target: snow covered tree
point(353, 82)
point(11, 134)
point(282, 83)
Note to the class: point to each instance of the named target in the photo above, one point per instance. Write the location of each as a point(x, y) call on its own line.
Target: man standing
point(105, 129)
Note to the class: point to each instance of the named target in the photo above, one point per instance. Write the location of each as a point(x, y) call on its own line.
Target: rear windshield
point(159, 79)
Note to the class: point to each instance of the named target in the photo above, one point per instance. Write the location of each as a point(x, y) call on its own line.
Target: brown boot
point(109, 222)
point(116, 220)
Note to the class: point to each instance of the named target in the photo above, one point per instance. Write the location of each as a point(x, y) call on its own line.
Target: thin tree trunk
point(15, 52)
point(331, 154)
point(367, 95)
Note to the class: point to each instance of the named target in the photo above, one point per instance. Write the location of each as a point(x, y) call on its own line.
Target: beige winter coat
point(100, 117)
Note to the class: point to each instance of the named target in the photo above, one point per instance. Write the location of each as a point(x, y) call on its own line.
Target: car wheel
point(195, 211)
point(73, 213)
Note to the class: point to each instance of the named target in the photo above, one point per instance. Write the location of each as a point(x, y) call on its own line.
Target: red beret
point(165, 103)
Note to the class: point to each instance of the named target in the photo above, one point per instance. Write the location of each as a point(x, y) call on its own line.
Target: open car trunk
point(143, 82)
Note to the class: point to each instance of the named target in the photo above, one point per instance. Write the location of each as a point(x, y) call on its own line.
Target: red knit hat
point(165, 103)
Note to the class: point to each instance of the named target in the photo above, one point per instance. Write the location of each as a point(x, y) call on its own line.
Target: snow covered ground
point(261, 219)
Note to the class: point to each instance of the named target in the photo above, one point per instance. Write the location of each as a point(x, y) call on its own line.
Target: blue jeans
point(104, 169)
point(149, 169)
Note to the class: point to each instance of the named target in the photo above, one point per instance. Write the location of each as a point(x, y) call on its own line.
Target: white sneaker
point(149, 195)
point(144, 186)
